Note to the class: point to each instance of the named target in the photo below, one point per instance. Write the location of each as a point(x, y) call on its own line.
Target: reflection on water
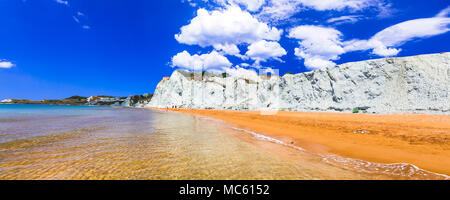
point(144, 144)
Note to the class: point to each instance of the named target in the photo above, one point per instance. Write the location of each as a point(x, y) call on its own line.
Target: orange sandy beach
point(422, 140)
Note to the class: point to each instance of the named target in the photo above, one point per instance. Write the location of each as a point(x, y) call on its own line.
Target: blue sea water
point(20, 121)
point(17, 109)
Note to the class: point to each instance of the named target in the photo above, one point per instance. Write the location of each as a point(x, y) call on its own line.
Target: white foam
point(393, 169)
point(263, 137)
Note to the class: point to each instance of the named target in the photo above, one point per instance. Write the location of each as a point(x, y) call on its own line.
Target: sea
point(46, 142)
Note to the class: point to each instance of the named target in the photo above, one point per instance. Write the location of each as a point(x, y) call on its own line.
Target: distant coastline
point(76, 100)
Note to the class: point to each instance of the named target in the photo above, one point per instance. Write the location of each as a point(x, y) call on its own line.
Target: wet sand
point(418, 139)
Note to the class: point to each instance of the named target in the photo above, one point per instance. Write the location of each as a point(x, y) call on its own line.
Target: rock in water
point(390, 85)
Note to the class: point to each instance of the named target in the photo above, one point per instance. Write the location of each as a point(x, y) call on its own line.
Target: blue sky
point(59, 48)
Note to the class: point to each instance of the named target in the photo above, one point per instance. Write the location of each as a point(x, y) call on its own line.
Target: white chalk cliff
point(136, 100)
point(390, 85)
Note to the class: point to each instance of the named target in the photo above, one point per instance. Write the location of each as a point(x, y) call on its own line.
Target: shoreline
point(419, 139)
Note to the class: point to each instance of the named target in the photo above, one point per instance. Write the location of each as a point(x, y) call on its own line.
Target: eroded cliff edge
point(419, 84)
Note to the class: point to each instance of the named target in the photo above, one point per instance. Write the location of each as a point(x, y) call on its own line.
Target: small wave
point(395, 169)
point(263, 137)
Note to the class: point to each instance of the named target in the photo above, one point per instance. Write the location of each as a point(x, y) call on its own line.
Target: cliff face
point(137, 100)
point(391, 85)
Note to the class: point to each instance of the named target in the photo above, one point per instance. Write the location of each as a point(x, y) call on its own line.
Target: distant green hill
point(73, 100)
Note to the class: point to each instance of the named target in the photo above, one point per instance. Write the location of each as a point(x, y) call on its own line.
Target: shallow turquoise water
point(11, 109)
point(19, 121)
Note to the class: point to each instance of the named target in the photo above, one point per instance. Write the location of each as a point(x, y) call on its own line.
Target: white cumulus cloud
point(238, 23)
point(251, 5)
point(384, 42)
point(345, 19)
point(318, 45)
point(62, 2)
point(229, 49)
point(6, 64)
point(337, 4)
point(264, 50)
point(444, 13)
point(224, 29)
point(279, 10)
point(240, 72)
point(211, 62)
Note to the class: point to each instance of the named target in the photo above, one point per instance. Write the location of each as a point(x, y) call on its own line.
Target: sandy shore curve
point(418, 139)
